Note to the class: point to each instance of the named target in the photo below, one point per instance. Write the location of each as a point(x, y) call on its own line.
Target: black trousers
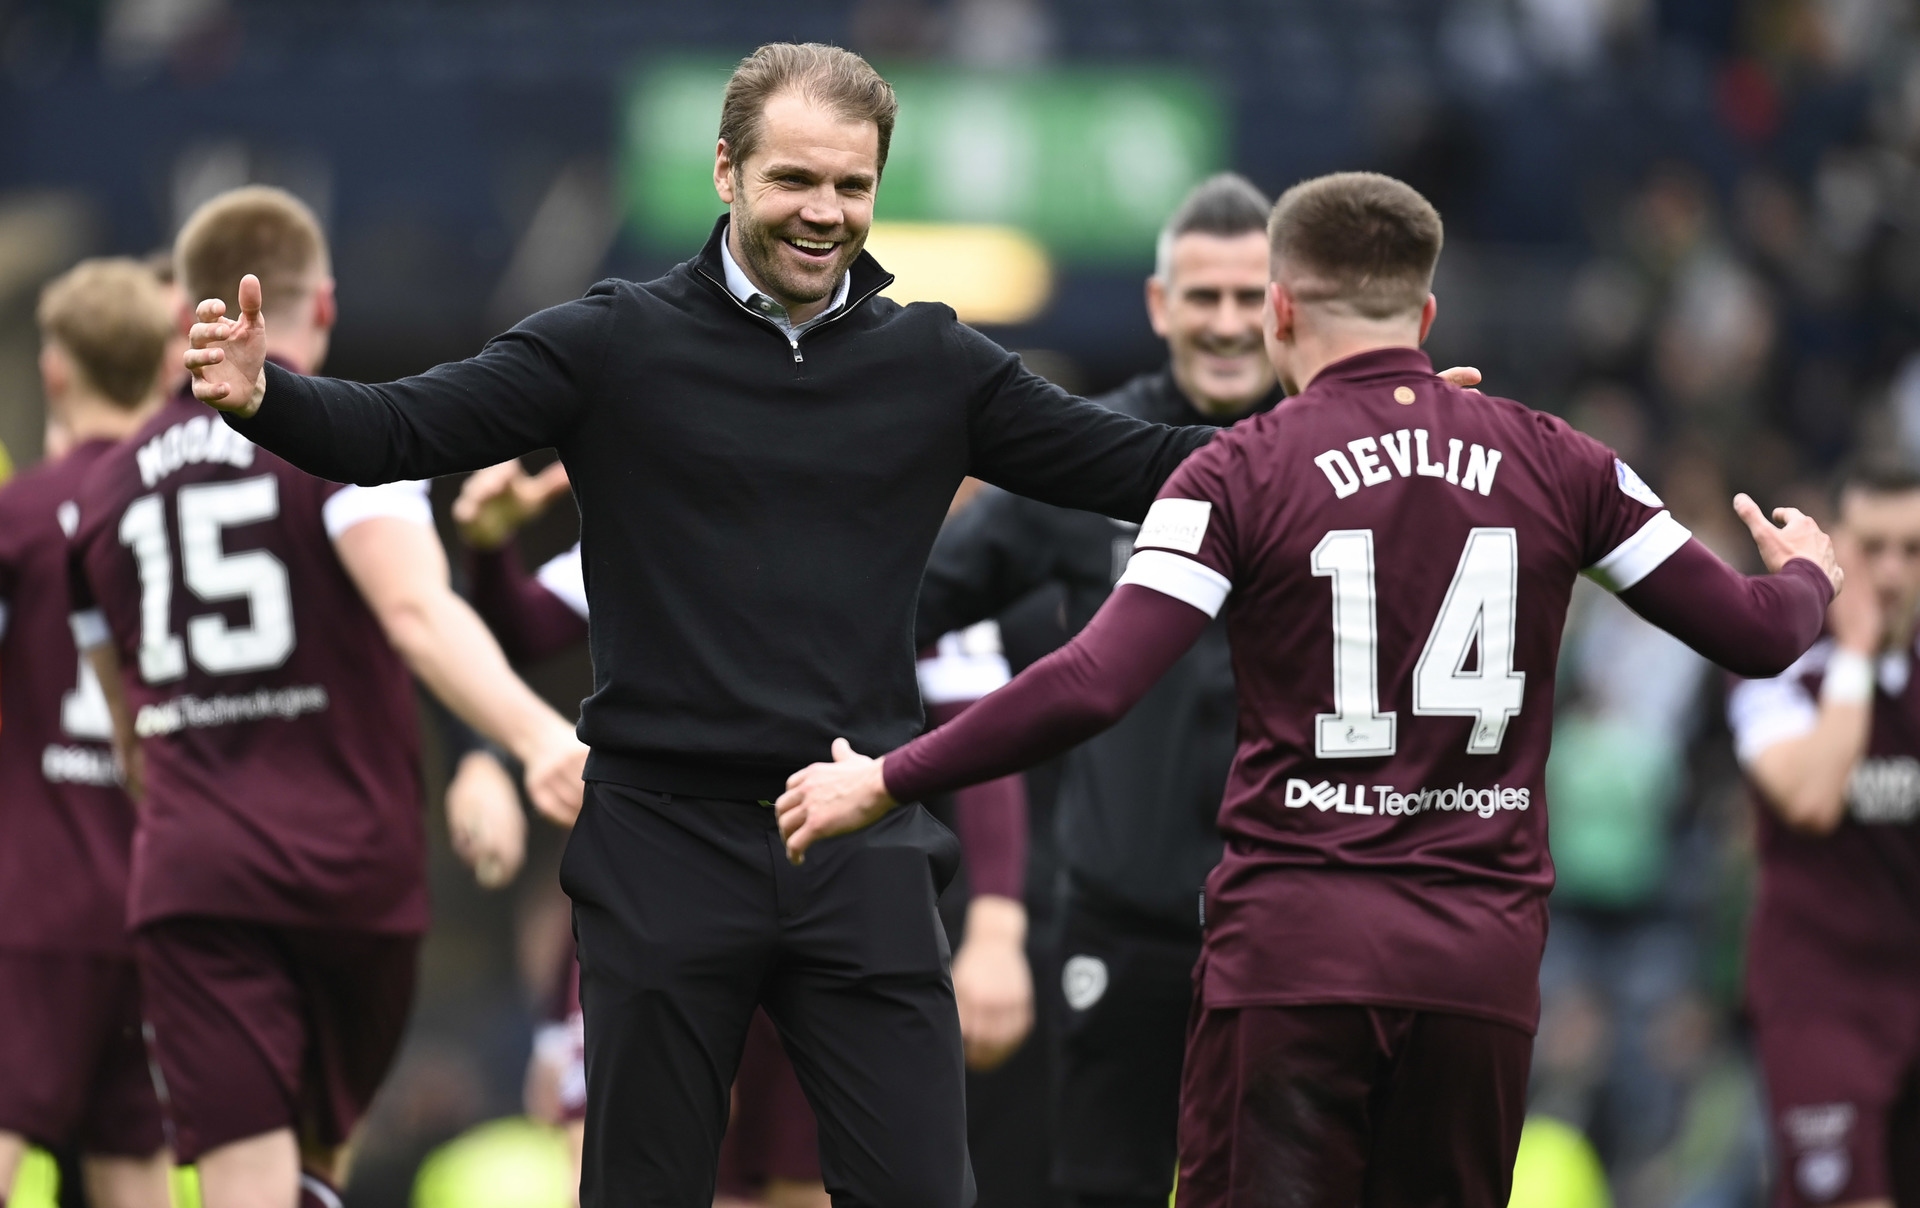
point(688, 915)
point(1123, 998)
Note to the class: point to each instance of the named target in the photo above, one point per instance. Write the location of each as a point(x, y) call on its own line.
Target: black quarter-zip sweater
point(755, 514)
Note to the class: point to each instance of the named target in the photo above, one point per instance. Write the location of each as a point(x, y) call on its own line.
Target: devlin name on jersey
point(1406, 453)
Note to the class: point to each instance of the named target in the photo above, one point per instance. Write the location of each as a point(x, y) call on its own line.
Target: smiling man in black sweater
point(763, 449)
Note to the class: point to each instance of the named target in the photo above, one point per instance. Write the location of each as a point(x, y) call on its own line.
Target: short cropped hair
point(256, 229)
point(112, 318)
point(1877, 474)
point(826, 75)
point(1225, 205)
point(1358, 238)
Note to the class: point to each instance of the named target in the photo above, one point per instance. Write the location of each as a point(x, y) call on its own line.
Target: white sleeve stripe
point(1762, 713)
point(399, 500)
point(1184, 579)
point(1639, 555)
point(89, 629)
point(564, 577)
point(3, 618)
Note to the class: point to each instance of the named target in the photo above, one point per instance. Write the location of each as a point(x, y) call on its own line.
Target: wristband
point(1849, 679)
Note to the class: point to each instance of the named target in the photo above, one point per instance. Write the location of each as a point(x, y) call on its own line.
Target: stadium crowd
point(1741, 315)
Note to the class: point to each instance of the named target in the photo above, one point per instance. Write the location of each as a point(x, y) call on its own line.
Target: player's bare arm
point(1060, 701)
point(228, 357)
point(402, 572)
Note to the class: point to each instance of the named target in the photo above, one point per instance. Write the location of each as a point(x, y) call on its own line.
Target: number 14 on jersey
point(1479, 612)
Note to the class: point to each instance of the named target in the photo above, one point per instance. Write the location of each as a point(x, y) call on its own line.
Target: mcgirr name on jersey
point(1406, 453)
point(1391, 801)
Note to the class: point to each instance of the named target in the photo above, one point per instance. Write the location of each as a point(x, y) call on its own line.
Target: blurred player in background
point(1369, 981)
point(73, 1066)
point(770, 1153)
point(266, 620)
point(1833, 963)
point(1137, 804)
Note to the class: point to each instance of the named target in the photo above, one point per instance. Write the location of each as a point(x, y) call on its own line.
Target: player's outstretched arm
point(1059, 702)
point(401, 571)
point(524, 391)
point(1752, 625)
point(1803, 778)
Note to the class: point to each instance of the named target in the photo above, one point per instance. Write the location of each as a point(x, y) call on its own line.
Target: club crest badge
point(1084, 980)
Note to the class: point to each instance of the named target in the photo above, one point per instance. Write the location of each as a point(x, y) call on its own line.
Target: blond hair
point(827, 75)
point(112, 318)
point(256, 229)
point(1358, 238)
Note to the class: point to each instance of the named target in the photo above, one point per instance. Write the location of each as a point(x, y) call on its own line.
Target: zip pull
point(797, 358)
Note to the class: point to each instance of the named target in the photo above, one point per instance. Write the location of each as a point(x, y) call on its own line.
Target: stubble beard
point(761, 245)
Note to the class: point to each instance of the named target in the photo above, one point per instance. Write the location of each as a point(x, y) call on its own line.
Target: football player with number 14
point(1394, 556)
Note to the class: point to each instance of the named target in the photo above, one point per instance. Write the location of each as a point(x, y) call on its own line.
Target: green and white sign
point(1088, 161)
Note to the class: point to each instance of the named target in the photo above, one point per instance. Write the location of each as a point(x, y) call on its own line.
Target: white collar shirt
point(750, 296)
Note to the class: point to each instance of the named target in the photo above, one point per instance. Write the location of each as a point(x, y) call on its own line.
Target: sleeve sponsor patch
point(1175, 524)
point(1633, 486)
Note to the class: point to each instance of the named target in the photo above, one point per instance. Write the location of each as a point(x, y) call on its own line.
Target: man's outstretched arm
point(1061, 701)
point(524, 391)
point(1752, 625)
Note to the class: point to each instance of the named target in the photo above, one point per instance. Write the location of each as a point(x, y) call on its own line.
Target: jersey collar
point(1376, 362)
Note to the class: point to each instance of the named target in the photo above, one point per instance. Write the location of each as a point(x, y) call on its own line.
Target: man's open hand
point(484, 820)
point(495, 503)
point(826, 799)
point(1796, 536)
point(992, 984)
point(1464, 376)
point(228, 357)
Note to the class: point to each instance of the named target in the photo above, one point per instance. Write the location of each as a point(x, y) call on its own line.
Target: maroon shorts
point(1845, 1103)
point(771, 1134)
point(257, 1028)
point(73, 1069)
point(1338, 1106)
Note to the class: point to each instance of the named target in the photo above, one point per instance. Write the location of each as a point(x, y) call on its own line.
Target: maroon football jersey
point(281, 741)
point(1395, 556)
point(1836, 928)
point(65, 826)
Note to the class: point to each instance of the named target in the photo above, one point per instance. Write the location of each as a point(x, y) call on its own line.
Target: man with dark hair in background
point(1135, 821)
point(73, 1067)
point(1399, 555)
point(266, 621)
point(1832, 748)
